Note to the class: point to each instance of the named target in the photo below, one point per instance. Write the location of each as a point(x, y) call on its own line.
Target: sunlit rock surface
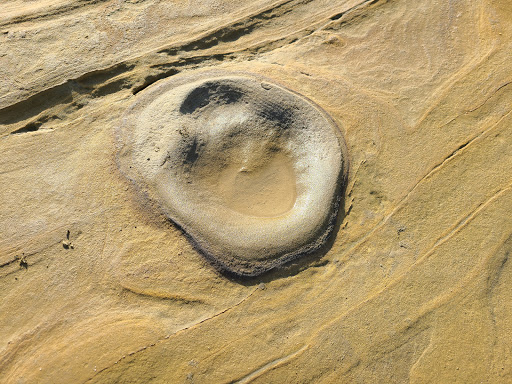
point(415, 286)
point(252, 172)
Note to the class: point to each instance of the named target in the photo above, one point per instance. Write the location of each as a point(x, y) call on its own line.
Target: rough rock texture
point(416, 285)
point(252, 172)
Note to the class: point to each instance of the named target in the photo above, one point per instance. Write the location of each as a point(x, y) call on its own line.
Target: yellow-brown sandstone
point(99, 285)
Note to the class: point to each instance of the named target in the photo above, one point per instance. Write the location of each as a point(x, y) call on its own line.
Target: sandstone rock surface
point(254, 173)
point(415, 285)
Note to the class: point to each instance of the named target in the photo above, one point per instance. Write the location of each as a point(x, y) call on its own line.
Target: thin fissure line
point(172, 335)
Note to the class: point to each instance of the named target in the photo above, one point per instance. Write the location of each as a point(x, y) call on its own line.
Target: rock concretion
point(251, 171)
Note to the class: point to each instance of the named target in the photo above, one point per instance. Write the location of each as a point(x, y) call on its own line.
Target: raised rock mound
point(250, 170)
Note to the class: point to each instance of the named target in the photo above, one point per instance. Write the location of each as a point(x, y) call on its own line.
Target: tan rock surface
point(218, 152)
point(416, 286)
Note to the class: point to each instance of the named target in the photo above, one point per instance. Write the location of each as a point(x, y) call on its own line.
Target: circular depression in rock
point(250, 170)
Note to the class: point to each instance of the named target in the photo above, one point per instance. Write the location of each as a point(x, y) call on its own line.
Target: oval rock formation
point(253, 172)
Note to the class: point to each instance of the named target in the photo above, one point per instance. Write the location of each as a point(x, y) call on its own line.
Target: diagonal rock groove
point(234, 31)
point(57, 11)
point(338, 16)
point(95, 83)
point(125, 75)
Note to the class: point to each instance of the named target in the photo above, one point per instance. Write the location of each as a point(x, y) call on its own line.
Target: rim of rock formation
point(251, 171)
